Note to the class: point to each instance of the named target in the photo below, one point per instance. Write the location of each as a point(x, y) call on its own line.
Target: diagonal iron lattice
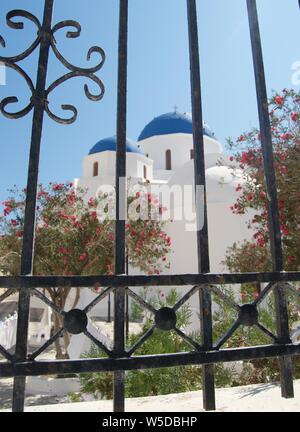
point(203, 283)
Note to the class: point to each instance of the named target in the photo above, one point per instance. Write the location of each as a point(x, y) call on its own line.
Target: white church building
point(163, 155)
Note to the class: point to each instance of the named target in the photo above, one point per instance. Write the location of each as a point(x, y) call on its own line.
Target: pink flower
point(286, 136)
point(92, 202)
point(283, 169)
point(285, 231)
point(7, 211)
point(294, 116)
point(83, 256)
point(94, 215)
point(279, 100)
point(231, 158)
point(57, 187)
point(261, 242)
point(249, 197)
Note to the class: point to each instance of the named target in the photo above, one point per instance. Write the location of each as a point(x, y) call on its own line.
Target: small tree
point(284, 109)
point(71, 239)
point(285, 124)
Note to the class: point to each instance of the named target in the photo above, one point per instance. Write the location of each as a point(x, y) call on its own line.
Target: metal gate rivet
point(165, 319)
point(75, 321)
point(248, 315)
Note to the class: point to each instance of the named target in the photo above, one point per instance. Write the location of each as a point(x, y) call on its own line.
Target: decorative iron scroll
point(75, 71)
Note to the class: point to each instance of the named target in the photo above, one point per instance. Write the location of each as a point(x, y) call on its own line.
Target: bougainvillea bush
point(71, 238)
point(254, 255)
point(285, 123)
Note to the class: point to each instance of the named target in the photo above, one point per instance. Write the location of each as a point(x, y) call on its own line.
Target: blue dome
point(110, 144)
point(171, 123)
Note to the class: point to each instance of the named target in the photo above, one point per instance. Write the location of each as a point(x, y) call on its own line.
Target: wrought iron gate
point(205, 283)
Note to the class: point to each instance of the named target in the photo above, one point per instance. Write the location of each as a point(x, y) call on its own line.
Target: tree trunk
point(57, 326)
point(59, 298)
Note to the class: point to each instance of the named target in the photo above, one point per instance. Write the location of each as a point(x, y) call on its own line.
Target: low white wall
point(8, 331)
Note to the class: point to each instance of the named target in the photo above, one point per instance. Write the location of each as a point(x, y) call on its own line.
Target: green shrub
point(160, 381)
point(259, 370)
point(150, 382)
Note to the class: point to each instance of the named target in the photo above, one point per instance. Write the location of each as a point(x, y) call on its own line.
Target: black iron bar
point(267, 332)
point(186, 297)
point(6, 354)
point(97, 300)
point(120, 241)
point(286, 367)
point(141, 301)
point(7, 282)
point(145, 362)
point(200, 181)
point(264, 293)
point(48, 343)
point(292, 290)
point(126, 316)
point(127, 301)
point(7, 294)
point(98, 343)
point(188, 339)
point(109, 308)
point(47, 301)
point(227, 335)
point(30, 210)
point(141, 340)
point(225, 298)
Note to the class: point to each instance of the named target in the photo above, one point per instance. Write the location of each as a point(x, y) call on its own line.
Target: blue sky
point(158, 73)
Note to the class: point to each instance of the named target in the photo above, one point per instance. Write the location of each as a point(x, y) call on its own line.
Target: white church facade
point(163, 155)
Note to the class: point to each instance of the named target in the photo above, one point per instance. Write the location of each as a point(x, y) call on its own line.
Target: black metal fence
point(119, 359)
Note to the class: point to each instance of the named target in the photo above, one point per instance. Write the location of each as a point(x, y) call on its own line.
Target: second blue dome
point(110, 144)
